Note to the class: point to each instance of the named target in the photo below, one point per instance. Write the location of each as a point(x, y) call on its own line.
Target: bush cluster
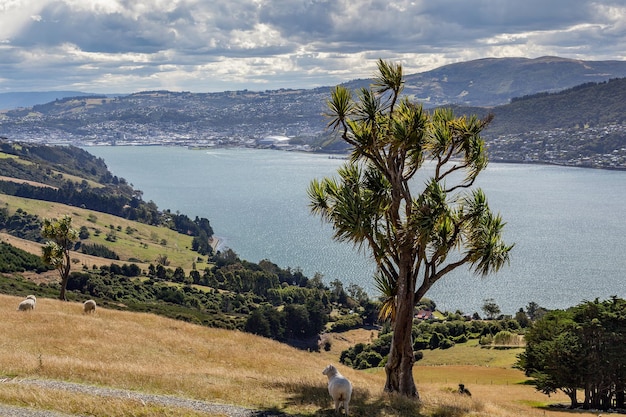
point(98, 250)
point(21, 224)
point(13, 259)
point(580, 349)
point(352, 321)
point(430, 335)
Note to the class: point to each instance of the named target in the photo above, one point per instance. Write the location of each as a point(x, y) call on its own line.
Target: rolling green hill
point(581, 126)
point(584, 106)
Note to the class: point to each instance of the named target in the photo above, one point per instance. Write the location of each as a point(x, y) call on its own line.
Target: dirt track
point(165, 400)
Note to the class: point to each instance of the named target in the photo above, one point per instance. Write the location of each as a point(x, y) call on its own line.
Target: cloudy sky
point(122, 46)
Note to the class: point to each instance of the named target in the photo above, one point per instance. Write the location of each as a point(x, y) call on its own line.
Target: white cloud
point(197, 45)
point(259, 37)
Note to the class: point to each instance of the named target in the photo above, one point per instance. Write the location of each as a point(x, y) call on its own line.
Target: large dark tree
point(553, 356)
point(416, 230)
point(581, 348)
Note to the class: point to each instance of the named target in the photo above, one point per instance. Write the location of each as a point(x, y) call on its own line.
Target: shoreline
point(216, 243)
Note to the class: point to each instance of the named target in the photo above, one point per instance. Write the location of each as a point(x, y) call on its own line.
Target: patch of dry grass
point(80, 404)
point(153, 354)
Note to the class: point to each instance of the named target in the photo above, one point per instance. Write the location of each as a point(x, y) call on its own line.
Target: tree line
point(13, 259)
point(119, 205)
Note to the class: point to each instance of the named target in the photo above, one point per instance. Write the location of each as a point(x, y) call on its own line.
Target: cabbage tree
point(56, 251)
point(417, 229)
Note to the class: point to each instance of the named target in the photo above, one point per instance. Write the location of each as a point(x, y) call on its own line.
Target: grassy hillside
point(589, 104)
point(162, 356)
point(135, 242)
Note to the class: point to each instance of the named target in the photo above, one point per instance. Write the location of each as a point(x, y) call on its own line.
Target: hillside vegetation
point(133, 241)
point(163, 356)
point(587, 105)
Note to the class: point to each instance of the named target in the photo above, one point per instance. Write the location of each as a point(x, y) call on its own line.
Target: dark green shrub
point(446, 344)
point(352, 321)
point(98, 250)
point(368, 359)
point(435, 340)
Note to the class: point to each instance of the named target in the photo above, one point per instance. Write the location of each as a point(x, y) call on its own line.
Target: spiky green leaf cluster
point(433, 225)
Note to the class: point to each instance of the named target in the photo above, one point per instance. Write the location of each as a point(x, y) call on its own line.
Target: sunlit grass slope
point(134, 241)
point(153, 354)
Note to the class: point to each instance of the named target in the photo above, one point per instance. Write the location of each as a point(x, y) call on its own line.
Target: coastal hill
point(580, 126)
point(131, 255)
point(548, 110)
point(15, 100)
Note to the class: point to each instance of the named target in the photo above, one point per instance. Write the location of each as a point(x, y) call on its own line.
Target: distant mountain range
point(482, 82)
point(495, 81)
point(527, 96)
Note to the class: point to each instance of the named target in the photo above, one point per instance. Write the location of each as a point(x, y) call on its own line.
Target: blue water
point(568, 224)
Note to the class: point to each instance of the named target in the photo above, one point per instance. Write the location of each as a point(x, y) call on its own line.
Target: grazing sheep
point(339, 388)
point(89, 306)
point(31, 297)
point(26, 305)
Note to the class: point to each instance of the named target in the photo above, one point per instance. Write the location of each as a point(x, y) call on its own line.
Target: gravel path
point(166, 400)
point(11, 411)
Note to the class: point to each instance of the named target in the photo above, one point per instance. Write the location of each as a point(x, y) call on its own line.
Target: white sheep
point(26, 305)
point(89, 306)
point(339, 388)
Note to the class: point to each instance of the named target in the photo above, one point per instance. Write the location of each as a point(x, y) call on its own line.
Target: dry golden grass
point(71, 403)
point(471, 353)
point(144, 244)
point(151, 354)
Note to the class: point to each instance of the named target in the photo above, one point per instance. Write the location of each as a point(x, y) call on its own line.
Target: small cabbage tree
point(56, 251)
point(416, 230)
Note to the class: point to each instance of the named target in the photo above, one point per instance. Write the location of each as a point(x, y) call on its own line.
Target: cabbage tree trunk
point(399, 367)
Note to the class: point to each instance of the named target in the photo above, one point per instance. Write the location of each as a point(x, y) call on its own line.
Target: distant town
point(568, 147)
point(293, 120)
point(250, 119)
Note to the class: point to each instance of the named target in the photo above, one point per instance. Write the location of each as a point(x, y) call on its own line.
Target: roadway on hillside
point(209, 408)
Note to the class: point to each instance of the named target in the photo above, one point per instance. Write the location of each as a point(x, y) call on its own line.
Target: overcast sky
point(122, 46)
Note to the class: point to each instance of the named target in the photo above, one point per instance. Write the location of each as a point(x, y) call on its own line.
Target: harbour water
point(568, 224)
